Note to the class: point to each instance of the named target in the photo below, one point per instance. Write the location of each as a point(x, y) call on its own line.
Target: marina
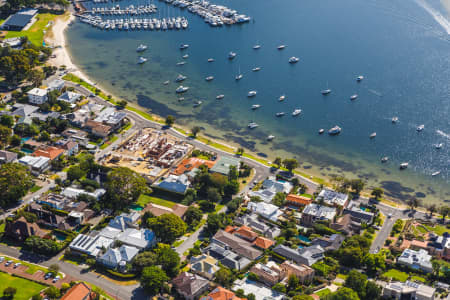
point(175, 23)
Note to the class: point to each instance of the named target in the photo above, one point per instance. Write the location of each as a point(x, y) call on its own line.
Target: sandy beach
point(61, 55)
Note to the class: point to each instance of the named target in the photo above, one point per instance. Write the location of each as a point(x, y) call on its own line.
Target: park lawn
point(396, 275)
point(145, 199)
point(323, 293)
point(35, 188)
point(25, 288)
point(438, 229)
point(35, 33)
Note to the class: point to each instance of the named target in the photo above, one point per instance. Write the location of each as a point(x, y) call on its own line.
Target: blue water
point(303, 238)
point(398, 46)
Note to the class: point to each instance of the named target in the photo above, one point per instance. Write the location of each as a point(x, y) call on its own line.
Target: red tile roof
point(49, 151)
point(246, 233)
point(263, 243)
point(220, 293)
point(298, 200)
point(192, 163)
point(80, 291)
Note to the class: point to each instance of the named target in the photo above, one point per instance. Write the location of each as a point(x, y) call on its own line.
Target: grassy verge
point(438, 229)
point(177, 243)
point(218, 208)
point(37, 31)
point(35, 188)
point(323, 293)
point(396, 275)
point(111, 140)
point(145, 199)
point(25, 288)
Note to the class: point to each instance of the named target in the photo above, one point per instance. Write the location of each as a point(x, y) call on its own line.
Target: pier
point(136, 23)
point(129, 10)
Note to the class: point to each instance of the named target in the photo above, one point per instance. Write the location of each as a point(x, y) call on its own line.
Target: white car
point(17, 264)
point(2, 259)
point(56, 279)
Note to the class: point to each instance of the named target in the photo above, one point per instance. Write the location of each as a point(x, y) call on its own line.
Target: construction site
point(149, 152)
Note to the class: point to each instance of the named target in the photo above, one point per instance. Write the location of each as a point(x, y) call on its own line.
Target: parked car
point(56, 279)
point(8, 262)
point(2, 259)
point(48, 275)
point(16, 265)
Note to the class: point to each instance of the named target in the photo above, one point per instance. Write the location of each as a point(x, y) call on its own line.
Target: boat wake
point(375, 92)
point(437, 16)
point(441, 133)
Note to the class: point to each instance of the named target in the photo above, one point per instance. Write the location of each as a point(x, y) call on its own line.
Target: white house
point(114, 258)
point(37, 96)
point(37, 164)
point(419, 260)
point(69, 97)
point(265, 210)
point(56, 84)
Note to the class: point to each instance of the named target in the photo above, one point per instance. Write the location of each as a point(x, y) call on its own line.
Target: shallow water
point(398, 46)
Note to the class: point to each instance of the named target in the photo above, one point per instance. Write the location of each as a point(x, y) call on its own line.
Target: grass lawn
point(177, 243)
point(36, 32)
point(35, 188)
point(396, 275)
point(2, 227)
point(109, 142)
point(25, 288)
point(323, 293)
point(342, 276)
point(438, 229)
point(418, 278)
point(218, 207)
point(145, 199)
point(306, 195)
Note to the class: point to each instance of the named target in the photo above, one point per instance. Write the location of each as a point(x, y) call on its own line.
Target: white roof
point(71, 192)
point(34, 161)
point(57, 83)
point(139, 238)
point(319, 211)
point(69, 97)
point(124, 253)
point(259, 290)
point(37, 92)
point(333, 197)
point(91, 245)
point(266, 210)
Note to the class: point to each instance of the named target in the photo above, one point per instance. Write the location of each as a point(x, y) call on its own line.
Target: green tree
point(251, 296)
point(144, 259)
point(170, 120)
point(122, 104)
point(75, 173)
point(53, 268)
point(15, 181)
point(206, 206)
point(342, 294)
point(152, 279)
point(213, 194)
point(214, 223)
point(231, 188)
point(36, 76)
point(224, 277)
point(357, 185)
point(432, 209)
point(357, 282)
point(195, 130)
point(52, 292)
point(167, 227)
point(373, 290)
point(7, 120)
point(168, 259)
point(280, 288)
point(240, 151)
point(444, 211)
point(302, 297)
point(293, 282)
point(5, 135)
point(123, 187)
point(193, 216)
point(9, 292)
point(277, 162)
point(37, 297)
point(377, 193)
point(44, 136)
point(15, 140)
point(290, 164)
point(413, 203)
point(279, 199)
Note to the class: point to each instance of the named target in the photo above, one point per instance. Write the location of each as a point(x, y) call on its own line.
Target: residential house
point(246, 233)
point(37, 96)
point(265, 210)
point(192, 163)
point(270, 187)
point(347, 225)
point(227, 257)
point(7, 157)
point(175, 184)
point(73, 193)
point(236, 244)
point(333, 198)
point(53, 200)
point(315, 212)
point(439, 246)
point(269, 273)
point(189, 285)
point(69, 97)
point(76, 135)
point(297, 201)
point(204, 265)
point(70, 147)
point(251, 220)
point(219, 293)
point(56, 85)
point(307, 256)
point(46, 217)
point(408, 291)
point(263, 243)
point(111, 117)
point(37, 165)
point(23, 110)
point(329, 242)
point(258, 289)
point(98, 129)
point(79, 291)
point(304, 273)
point(418, 260)
point(158, 210)
point(21, 229)
point(82, 115)
point(50, 152)
point(359, 215)
point(139, 238)
point(223, 164)
point(91, 245)
point(19, 20)
point(118, 258)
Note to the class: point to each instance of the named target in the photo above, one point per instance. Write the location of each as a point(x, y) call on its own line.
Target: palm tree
point(240, 151)
point(195, 130)
point(432, 209)
point(444, 211)
point(277, 162)
point(413, 203)
point(377, 193)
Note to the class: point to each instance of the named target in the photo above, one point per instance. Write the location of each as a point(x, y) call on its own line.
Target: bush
point(253, 276)
point(121, 275)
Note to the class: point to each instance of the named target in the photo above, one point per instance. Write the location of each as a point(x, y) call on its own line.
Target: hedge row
point(121, 275)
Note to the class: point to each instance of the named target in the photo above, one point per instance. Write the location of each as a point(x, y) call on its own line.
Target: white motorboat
point(252, 94)
point(239, 75)
point(359, 78)
point(181, 89)
point(257, 46)
point(394, 120)
point(321, 130)
point(209, 78)
point(166, 82)
point(353, 97)
point(180, 99)
point(219, 97)
point(326, 92)
point(438, 146)
point(210, 59)
point(403, 165)
point(197, 103)
point(420, 128)
point(256, 69)
point(184, 46)
point(293, 60)
point(436, 173)
point(384, 159)
point(181, 63)
point(281, 98)
point(296, 112)
point(373, 135)
point(180, 78)
point(335, 130)
point(252, 125)
point(256, 106)
point(141, 60)
point(270, 137)
point(281, 47)
point(280, 114)
point(185, 56)
point(231, 55)
point(141, 48)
